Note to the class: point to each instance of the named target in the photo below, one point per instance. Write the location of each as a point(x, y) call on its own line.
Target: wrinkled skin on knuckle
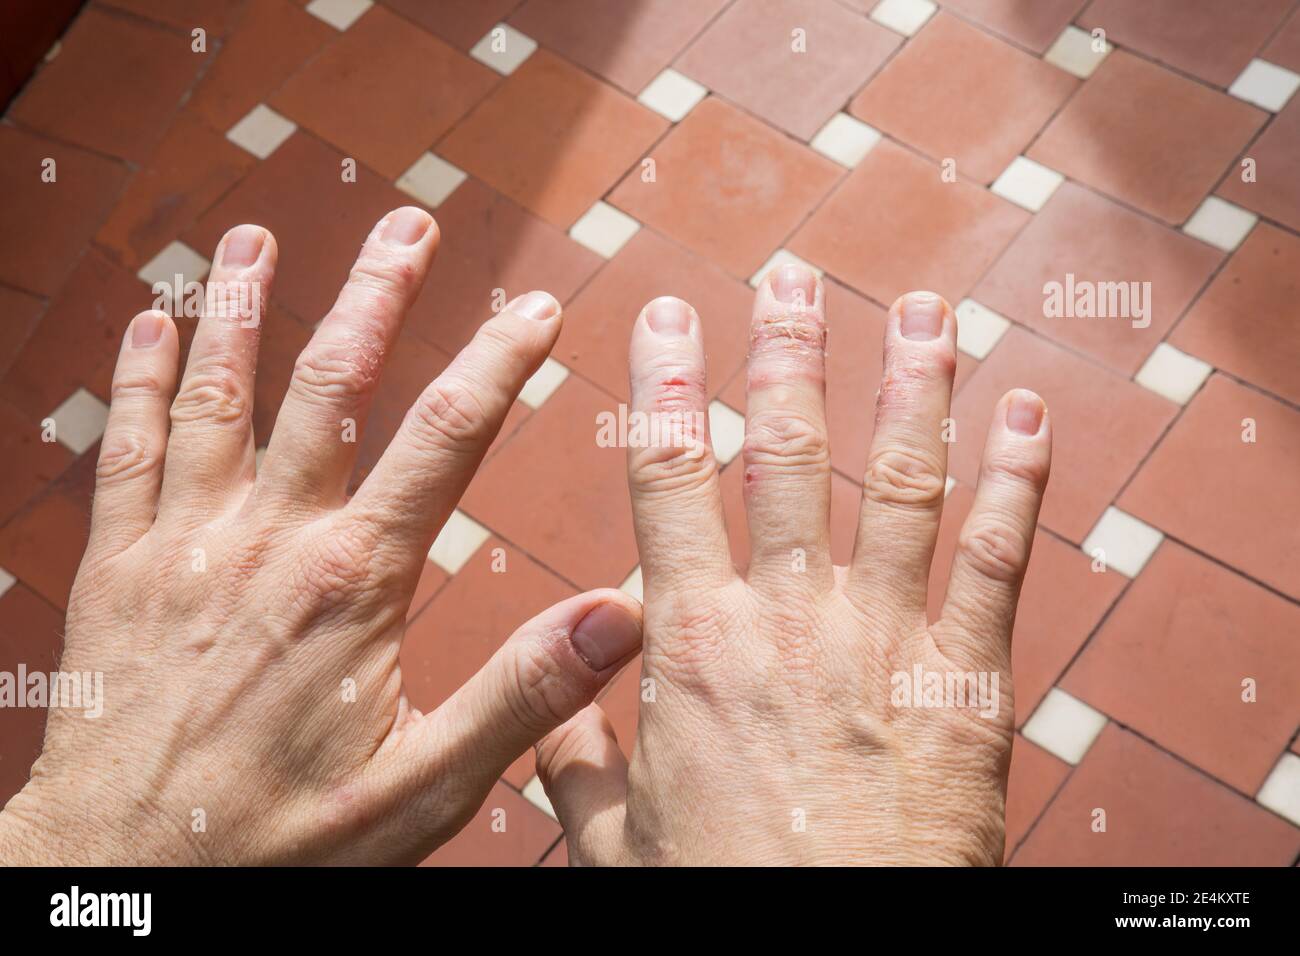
point(907, 377)
point(904, 478)
point(336, 369)
point(211, 393)
point(449, 416)
point(1013, 465)
point(785, 344)
point(123, 456)
point(996, 549)
point(381, 280)
point(542, 694)
point(782, 439)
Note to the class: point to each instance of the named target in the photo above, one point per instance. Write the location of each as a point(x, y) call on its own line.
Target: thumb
point(585, 776)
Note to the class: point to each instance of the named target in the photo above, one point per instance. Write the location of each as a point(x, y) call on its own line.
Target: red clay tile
point(1284, 49)
point(1035, 25)
point(490, 243)
point(1162, 152)
point(627, 44)
point(1209, 39)
point(462, 23)
point(727, 187)
point(31, 633)
point(45, 226)
point(1083, 234)
point(43, 544)
point(1103, 425)
point(598, 322)
point(1159, 812)
point(432, 578)
point(621, 703)
point(506, 831)
point(1207, 487)
point(553, 138)
point(894, 225)
point(558, 856)
point(1035, 777)
point(216, 17)
point(114, 85)
point(192, 168)
point(1275, 191)
point(28, 31)
point(749, 56)
point(346, 95)
point(22, 313)
point(30, 463)
point(1170, 661)
point(956, 92)
point(1262, 281)
point(1062, 602)
point(274, 38)
point(553, 492)
point(283, 339)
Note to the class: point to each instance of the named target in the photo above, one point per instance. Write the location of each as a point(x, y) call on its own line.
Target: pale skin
point(248, 618)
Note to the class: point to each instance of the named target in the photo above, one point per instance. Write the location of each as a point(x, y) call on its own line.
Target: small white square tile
point(949, 483)
point(727, 429)
point(672, 95)
point(459, 538)
point(79, 421)
point(903, 16)
point(262, 131)
point(503, 48)
point(535, 794)
point(431, 179)
point(1173, 374)
point(1064, 726)
point(779, 258)
point(1281, 791)
point(176, 259)
point(633, 584)
point(340, 14)
point(845, 139)
point(978, 328)
point(1127, 543)
point(7, 581)
point(1027, 183)
point(1265, 84)
point(1073, 52)
point(604, 230)
point(1221, 224)
point(543, 383)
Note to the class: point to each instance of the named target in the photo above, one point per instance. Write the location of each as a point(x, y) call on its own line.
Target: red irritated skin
point(805, 713)
point(246, 620)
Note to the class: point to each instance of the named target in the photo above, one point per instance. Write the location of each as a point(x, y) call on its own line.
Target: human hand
point(780, 732)
point(247, 619)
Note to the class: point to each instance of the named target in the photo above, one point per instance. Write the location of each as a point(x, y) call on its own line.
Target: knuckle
point(786, 440)
point(897, 476)
point(449, 415)
point(671, 468)
point(211, 393)
point(125, 455)
point(995, 550)
point(334, 371)
point(136, 385)
point(385, 282)
point(540, 695)
point(1019, 468)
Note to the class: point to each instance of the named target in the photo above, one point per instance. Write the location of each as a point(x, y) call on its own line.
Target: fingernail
point(794, 283)
point(922, 316)
point(1025, 413)
point(406, 227)
point(606, 636)
point(537, 306)
point(668, 316)
point(146, 330)
point(243, 246)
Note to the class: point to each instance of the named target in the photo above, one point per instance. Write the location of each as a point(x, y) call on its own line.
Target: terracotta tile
point(1149, 666)
point(1034, 25)
point(93, 311)
point(22, 313)
point(621, 703)
point(625, 43)
point(1035, 777)
point(346, 94)
point(727, 187)
point(113, 86)
point(1275, 193)
point(42, 545)
point(748, 56)
point(1062, 602)
point(1206, 487)
point(553, 138)
point(1102, 423)
point(45, 226)
point(1083, 234)
point(1163, 152)
point(893, 225)
point(1284, 49)
point(1156, 812)
point(192, 168)
point(462, 23)
point(31, 633)
point(528, 833)
point(558, 856)
point(956, 92)
point(599, 320)
point(27, 33)
point(572, 513)
point(274, 38)
point(432, 578)
point(490, 243)
point(318, 220)
point(217, 17)
point(1260, 280)
point(283, 339)
point(30, 463)
point(1206, 38)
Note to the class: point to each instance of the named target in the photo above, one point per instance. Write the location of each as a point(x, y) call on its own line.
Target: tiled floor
point(1135, 163)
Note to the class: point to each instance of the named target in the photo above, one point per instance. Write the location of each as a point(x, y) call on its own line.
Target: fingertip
point(609, 634)
point(669, 317)
point(406, 226)
point(1025, 413)
point(245, 245)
